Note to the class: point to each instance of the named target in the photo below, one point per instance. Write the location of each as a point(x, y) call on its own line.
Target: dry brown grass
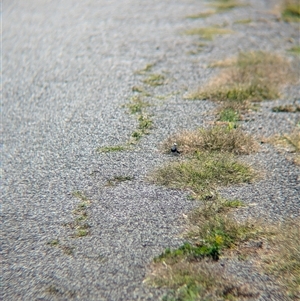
point(290, 108)
point(224, 63)
point(283, 257)
point(192, 278)
point(218, 138)
point(197, 281)
point(289, 142)
point(254, 76)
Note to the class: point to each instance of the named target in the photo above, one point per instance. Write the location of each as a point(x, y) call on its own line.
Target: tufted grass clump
point(291, 11)
point(214, 139)
point(253, 76)
point(203, 173)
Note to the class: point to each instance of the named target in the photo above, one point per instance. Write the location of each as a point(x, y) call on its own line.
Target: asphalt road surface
point(68, 69)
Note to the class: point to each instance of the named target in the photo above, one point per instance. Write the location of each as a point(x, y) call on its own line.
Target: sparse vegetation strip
point(80, 224)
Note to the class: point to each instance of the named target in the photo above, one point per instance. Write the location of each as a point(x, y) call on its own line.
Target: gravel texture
point(68, 69)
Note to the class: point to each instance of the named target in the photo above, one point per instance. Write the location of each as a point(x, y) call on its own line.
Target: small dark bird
point(174, 149)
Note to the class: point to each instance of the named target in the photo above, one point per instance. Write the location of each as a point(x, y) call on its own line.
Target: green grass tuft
point(137, 135)
point(291, 11)
point(239, 92)
point(82, 232)
point(190, 253)
point(229, 115)
point(295, 50)
point(145, 123)
point(204, 173)
point(233, 203)
point(137, 105)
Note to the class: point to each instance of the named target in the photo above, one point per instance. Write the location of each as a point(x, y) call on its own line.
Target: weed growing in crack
point(80, 224)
